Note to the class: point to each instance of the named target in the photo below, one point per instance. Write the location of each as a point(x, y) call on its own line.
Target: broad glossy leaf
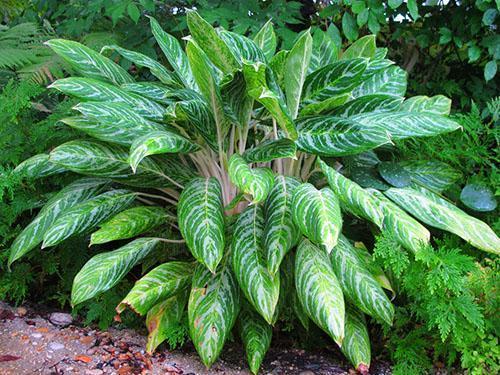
point(358, 284)
point(439, 104)
point(260, 287)
point(368, 177)
point(163, 319)
point(88, 62)
point(432, 174)
point(367, 104)
point(129, 223)
point(254, 181)
point(150, 90)
point(363, 47)
point(352, 197)
point(478, 197)
point(256, 335)
point(324, 51)
point(394, 174)
point(234, 94)
point(104, 270)
point(213, 306)
point(437, 212)
point(319, 290)
point(390, 81)
point(270, 150)
point(316, 108)
point(38, 166)
point(296, 65)
point(243, 48)
point(32, 235)
point(356, 344)
point(159, 142)
point(266, 40)
point(86, 215)
point(336, 136)
point(201, 220)
point(277, 65)
point(289, 294)
point(280, 231)
point(317, 214)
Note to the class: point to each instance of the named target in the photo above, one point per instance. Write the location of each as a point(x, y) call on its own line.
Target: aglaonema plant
point(239, 164)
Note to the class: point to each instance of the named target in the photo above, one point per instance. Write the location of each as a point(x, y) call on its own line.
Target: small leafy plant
point(225, 169)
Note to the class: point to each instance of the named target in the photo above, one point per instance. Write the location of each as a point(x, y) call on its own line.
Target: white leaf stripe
point(439, 104)
point(270, 150)
point(37, 166)
point(254, 181)
point(432, 174)
point(87, 215)
point(319, 290)
point(324, 51)
point(243, 48)
point(367, 104)
point(201, 220)
point(266, 39)
point(104, 270)
point(150, 90)
point(259, 286)
point(160, 283)
point(391, 80)
point(356, 344)
point(363, 47)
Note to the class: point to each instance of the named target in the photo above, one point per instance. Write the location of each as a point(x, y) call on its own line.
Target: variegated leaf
point(239, 103)
point(289, 294)
point(129, 223)
point(104, 270)
point(356, 345)
point(32, 235)
point(324, 51)
point(88, 62)
point(326, 106)
point(243, 48)
point(317, 214)
point(201, 220)
point(277, 65)
point(368, 104)
point(213, 306)
point(256, 335)
point(260, 287)
point(150, 90)
point(38, 166)
point(163, 319)
point(160, 283)
point(432, 174)
point(86, 215)
point(437, 212)
point(439, 104)
point(254, 181)
point(358, 284)
point(270, 150)
point(363, 47)
point(319, 290)
point(336, 136)
point(374, 268)
point(159, 142)
point(353, 197)
point(296, 65)
point(266, 40)
point(280, 231)
point(390, 81)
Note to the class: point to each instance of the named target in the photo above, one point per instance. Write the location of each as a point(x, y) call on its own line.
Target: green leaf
point(243, 48)
point(234, 94)
point(367, 104)
point(32, 235)
point(349, 27)
point(336, 136)
point(439, 104)
point(211, 43)
point(256, 335)
point(478, 197)
point(395, 3)
point(280, 231)
point(213, 306)
point(159, 142)
point(474, 53)
point(352, 197)
point(150, 90)
point(290, 291)
point(162, 282)
point(413, 9)
point(104, 270)
point(490, 70)
point(38, 166)
point(489, 16)
point(266, 40)
point(319, 290)
point(437, 212)
point(133, 12)
point(363, 47)
point(259, 286)
point(88, 62)
point(86, 215)
point(201, 220)
point(394, 174)
point(356, 344)
point(254, 181)
point(358, 284)
point(317, 214)
point(324, 51)
point(316, 108)
point(433, 175)
point(277, 65)
point(129, 223)
point(271, 150)
point(390, 81)
point(296, 65)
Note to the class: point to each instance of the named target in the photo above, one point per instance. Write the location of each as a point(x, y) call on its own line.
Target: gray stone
point(61, 319)
point(56, 346)
point(36, 335)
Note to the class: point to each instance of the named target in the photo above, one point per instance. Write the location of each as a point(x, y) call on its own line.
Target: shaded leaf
point(254, 181)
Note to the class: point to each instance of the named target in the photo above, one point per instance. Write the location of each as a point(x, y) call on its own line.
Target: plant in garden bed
point(228, 166)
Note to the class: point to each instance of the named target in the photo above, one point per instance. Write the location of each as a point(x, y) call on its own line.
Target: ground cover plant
point(234, 174)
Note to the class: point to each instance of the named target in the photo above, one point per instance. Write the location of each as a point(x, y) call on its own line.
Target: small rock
point(56, 346)
point(91, 351)
point(306, 373)
point(94, 372)
point(21, 311)
point(61, 319)
point(36, 335)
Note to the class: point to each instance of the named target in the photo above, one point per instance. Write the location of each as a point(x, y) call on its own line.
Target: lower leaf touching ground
point(319, 290)
point(87, 215)
point(254, 181)
point(201, 220)
point(104, 270)
point(158, 284)
point(356, 345)
point(31, 236)
point(358, 284)
point(260, 287)
point(280, 231)
point(129, 223)
point(256, 335)
point(213, 306)
point(317, 214)
point(164, 318)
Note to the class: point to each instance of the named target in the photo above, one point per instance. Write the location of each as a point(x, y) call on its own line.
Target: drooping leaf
point(390, 81)
point(254, 181)
point(86, 215)
point(439, 104)
point(201, 220)
point(38, 166)
point(104, 270)
point(266, 40)
point(394, 174)
point(319, 290)
point(478, 197)
point(363, 47)
point(260, 287)
point(432, 174)
point(162, 282)
point(317, 214)
point(129, 223)
point(270, 150)
point(356, 344)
